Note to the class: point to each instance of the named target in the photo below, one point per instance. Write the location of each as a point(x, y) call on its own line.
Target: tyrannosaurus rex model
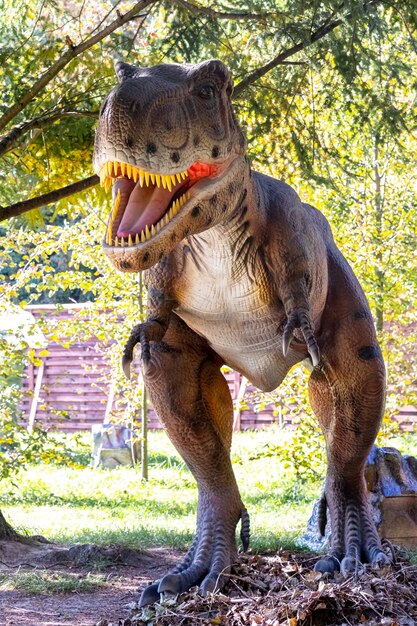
point(239, 272)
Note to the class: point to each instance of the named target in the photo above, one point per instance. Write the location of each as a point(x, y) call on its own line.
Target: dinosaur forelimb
point(151, 330)
point(300, 318)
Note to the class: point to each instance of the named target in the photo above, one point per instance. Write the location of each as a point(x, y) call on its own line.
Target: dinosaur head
point(168, 143)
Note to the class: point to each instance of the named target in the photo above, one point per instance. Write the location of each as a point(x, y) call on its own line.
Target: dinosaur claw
point(149, 595)
point(171, 583)
point(286, 340)
point(315, 355)
point(245, 529)
point(126, 361)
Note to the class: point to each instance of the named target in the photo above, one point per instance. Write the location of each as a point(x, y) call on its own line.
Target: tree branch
point(68, 56)
point(48, 198)
point(42, 121)
point(321, 32)
point(221, 15)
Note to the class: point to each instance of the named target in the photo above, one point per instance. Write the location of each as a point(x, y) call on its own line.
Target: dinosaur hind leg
point(193, 401)
point(348, 399)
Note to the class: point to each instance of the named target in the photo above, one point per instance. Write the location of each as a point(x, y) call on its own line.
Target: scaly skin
point(240, 273)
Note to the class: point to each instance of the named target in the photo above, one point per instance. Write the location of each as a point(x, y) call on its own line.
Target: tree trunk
point(7, 532)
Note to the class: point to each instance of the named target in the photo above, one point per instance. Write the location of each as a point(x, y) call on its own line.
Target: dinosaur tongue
point(144, 205)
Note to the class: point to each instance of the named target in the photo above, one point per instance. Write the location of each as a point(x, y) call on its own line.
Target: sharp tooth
point(137, 240)
point(111, 168)
point(178, 177)
point(158, 226)
point(116, 205)
point(129, 240)
point(142, 236)
point(116, 168)
point(116, 241)
point(123, 168)
point(152, 178)
point(122, 242)
point(107, 183)
point(141, 177)
point(128, 170)
point(135, 174)
point(171, 213)
point(153, 231)
point(147, 178)
point(168, 181)
point(163, 181)
point(147, 233)
point(166, 218)
point(158, 180)
point(173, 179)
point(184, 175)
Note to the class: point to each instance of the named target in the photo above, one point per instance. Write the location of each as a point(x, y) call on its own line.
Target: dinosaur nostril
point(175, 157)
point(151, 148)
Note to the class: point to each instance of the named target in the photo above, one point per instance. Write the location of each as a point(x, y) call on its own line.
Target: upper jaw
point(135, 251)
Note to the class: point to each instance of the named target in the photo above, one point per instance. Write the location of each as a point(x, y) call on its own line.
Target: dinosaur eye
point(206, 92)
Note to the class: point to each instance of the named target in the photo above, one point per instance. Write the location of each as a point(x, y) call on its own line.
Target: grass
point(115, 507)
point(47, 583)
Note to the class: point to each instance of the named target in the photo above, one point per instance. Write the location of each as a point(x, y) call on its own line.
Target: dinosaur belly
point(239, 327)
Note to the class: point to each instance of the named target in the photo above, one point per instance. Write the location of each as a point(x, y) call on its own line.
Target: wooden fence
point(67, 389)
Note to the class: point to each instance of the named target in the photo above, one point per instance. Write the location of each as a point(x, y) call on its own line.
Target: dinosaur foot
point(355, 541)
point(152, 330)
point(211, 555)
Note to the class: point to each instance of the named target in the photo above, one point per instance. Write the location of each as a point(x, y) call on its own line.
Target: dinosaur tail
point(245, 528)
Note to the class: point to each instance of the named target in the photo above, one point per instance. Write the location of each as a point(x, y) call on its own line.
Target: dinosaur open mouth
point(145, 202)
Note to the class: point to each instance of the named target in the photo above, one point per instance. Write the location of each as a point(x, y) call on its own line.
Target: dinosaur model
point(239, 272)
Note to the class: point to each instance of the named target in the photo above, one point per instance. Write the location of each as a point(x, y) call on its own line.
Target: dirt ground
point(132, 570)
point(273, 590)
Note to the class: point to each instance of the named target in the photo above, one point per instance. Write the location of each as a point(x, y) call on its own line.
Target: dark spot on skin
point(196, 211)
point(231, 188)
point(146, 257)
point(215, 152)
point(129, 142)
point(196, 140)
point(361, 315)
point(161, 256)
point(133, 106)
point(186, 233)
point(368, 352)
point(173, 237)
point(175, 157)
point(224, 207)
point(243, 211)
point(124, 265)
point(213, 200)
point(168, 126)
point(209, 221)
point(151, 148)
